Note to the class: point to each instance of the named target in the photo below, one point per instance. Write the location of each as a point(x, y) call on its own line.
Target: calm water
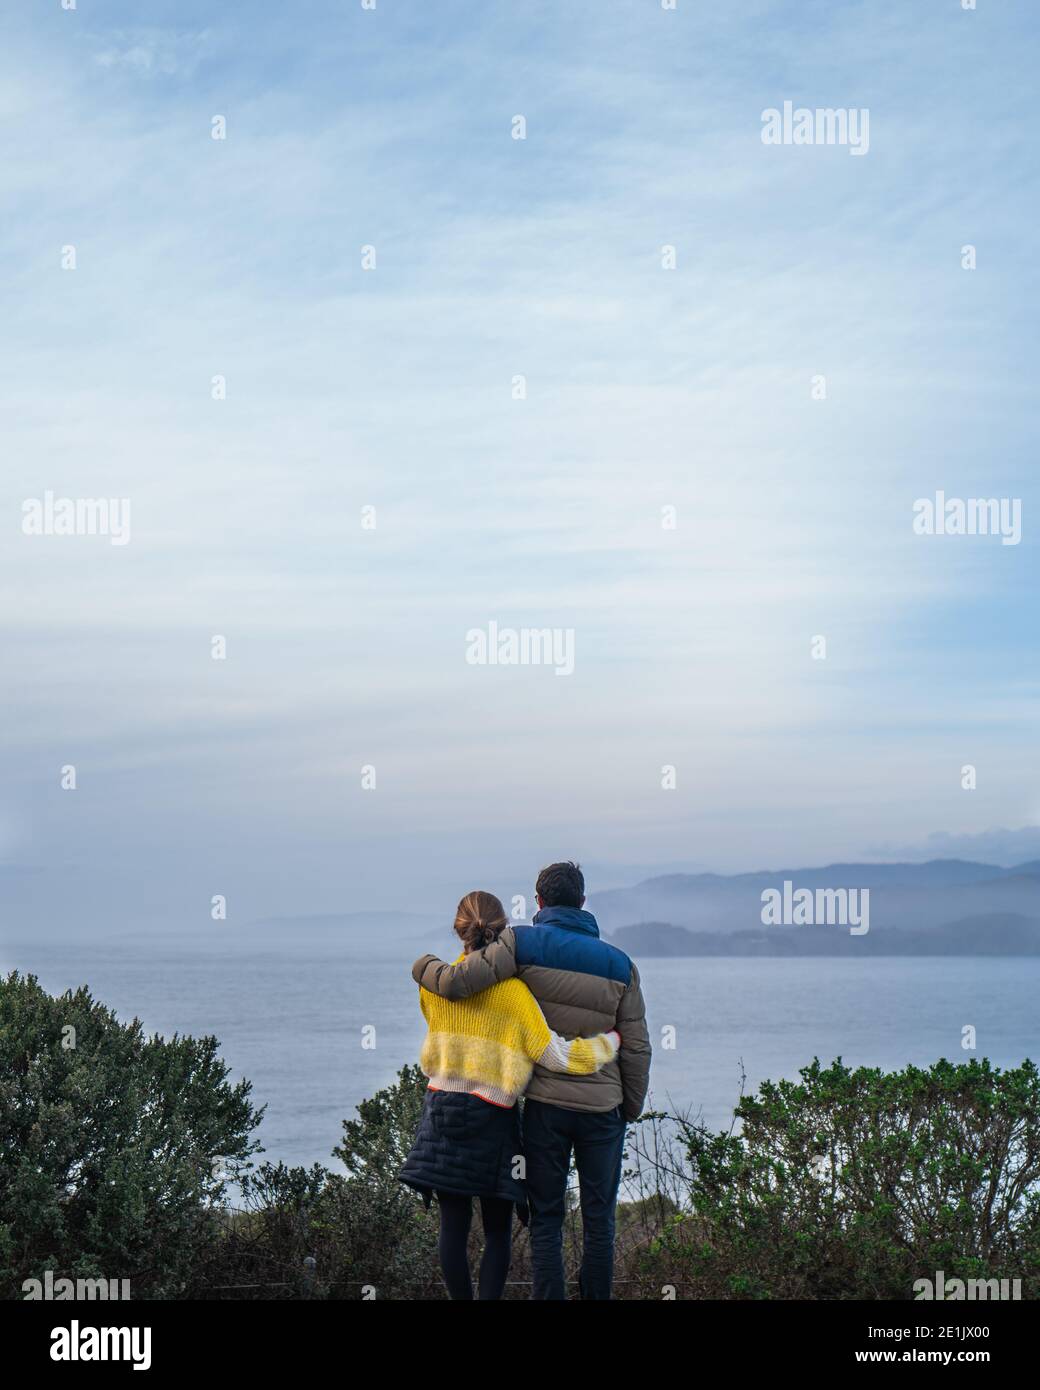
point(293, 1022)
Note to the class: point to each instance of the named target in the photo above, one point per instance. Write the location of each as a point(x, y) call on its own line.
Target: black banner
point(160, 1338)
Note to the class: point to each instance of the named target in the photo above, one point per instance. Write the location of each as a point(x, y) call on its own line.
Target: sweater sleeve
point(579, 1056)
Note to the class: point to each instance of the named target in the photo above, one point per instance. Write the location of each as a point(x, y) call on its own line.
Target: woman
point(479, 1054)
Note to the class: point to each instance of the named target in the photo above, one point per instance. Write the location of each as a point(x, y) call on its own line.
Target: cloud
point(646, 388)
point(152, 52)
point(1004, 847)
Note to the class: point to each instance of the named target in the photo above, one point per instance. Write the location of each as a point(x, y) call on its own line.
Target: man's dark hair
point(561, 885)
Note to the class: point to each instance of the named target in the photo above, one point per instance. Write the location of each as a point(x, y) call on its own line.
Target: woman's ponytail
point(479, 920)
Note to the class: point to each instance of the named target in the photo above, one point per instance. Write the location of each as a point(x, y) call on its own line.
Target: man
point(584, 986)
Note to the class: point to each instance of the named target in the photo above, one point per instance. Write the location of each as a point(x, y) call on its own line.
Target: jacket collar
point(570, 918)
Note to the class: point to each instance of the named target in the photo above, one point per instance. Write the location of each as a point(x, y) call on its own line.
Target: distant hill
point(903, 897)
point(994, 934)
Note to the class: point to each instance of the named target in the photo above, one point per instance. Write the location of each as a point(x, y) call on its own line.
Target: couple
point(551, 1012)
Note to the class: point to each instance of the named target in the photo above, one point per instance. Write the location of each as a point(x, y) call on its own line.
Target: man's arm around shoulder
point(479, 971)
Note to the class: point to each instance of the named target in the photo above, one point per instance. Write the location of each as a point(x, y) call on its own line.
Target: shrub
point(379, 1235)
point(115, 1148)
point(311, 1233)
point(854, 1184)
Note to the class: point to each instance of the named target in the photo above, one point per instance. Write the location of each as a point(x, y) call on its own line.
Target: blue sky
point(392, 388)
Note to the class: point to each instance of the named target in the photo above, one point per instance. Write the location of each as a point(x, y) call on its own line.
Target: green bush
point(115, 1148)
point(312, 1233)
point(381, 1237)
point(854, 1184)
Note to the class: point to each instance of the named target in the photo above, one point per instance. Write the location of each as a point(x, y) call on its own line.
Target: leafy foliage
point(314, 1233)
point(854, 1184)
point(115, 1148)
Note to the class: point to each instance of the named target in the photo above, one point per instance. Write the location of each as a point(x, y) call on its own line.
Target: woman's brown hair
point(479, 919)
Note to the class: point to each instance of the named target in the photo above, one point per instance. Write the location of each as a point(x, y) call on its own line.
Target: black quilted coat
point(467, 1146)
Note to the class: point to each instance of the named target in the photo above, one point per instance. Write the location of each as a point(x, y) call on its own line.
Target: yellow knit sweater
point(488, 1044)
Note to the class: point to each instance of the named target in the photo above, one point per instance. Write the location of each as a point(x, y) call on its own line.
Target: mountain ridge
point(903, 896)
point(996, 934)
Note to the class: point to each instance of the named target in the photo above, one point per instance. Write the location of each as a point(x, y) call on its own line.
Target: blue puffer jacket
point(584, 985)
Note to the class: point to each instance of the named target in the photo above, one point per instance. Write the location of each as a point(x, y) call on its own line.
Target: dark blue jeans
point(598, 1141)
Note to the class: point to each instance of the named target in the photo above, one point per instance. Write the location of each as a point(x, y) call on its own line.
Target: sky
point(690, 392)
